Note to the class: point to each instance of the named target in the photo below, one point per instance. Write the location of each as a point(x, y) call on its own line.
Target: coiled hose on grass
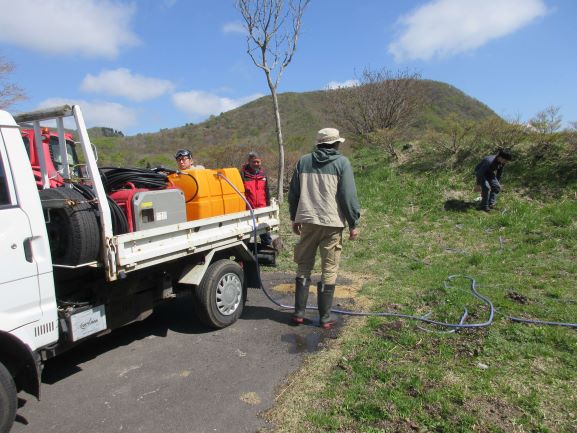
point(424, 318)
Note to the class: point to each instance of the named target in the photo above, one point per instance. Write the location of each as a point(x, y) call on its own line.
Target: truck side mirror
point(94, 150)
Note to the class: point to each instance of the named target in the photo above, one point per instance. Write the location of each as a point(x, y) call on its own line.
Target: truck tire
point(8, 400)
point(219, 298)
point(73, 229)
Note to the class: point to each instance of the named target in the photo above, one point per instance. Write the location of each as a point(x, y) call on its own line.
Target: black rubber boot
point(325, 294)
point(301, 298)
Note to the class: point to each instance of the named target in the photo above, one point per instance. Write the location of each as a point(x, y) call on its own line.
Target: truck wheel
point(220, 296)
point(73, 229)
point(8, 400)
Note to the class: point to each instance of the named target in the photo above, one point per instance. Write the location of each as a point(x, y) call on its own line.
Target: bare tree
point(273, 28)
point(379, 107)
point(456, 140)
point(547, 121)
point(544, 132)
point(9, 93)
point(501, 133)
point(384, 140)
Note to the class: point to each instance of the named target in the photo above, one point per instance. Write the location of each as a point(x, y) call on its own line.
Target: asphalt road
point(170, 374)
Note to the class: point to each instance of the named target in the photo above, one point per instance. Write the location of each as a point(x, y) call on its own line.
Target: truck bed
point(137, 250)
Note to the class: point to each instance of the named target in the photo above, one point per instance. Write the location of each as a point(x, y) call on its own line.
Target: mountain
point(226, 138)
point(102, 131)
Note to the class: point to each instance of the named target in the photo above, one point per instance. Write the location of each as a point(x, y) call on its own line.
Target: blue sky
point(143, 65)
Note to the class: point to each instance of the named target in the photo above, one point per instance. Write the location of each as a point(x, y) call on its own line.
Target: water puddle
point(303, 343)
point(311, 337)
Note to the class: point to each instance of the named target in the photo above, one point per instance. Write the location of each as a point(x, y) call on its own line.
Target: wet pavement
point(168, 373)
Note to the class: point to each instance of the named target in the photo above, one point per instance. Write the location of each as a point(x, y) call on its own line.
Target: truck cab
point(50, 154)
point(28, 312)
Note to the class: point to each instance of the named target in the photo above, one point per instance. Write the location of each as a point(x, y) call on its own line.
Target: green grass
point(393, 376)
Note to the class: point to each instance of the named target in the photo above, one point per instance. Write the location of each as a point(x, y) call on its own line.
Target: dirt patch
point(389, 329)
point(251, 398)
point(471, 343)
point(347, 287)
point(397, 426)
point(517, 297)
point(340, 291)
point(495, 414)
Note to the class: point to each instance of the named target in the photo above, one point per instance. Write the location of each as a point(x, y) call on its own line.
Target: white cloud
point(339, 85)
point(121, 82)
point(108, 114)
point(235, 27)
point(443, 28)
point(94, 28)
point(198, 104)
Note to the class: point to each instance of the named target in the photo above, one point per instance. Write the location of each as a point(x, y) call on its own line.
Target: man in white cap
point(322, 201)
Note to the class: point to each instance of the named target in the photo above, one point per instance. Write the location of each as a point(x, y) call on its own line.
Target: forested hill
point(225, 138)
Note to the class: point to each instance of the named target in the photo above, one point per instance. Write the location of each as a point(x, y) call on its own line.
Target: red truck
point(48, 157)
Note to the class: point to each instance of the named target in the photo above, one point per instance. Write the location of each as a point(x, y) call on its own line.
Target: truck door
point(19, 286)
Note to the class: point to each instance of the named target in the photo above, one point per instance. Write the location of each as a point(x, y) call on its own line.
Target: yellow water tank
point(232, 201)
point(203, 192)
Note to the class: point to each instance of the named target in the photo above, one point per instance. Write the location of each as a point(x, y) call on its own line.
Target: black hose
point(162, 169)
point(195, 181)
point(114, 178)
point(119, 221)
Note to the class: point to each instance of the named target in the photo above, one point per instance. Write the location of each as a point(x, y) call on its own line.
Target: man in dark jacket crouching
point(488, 174)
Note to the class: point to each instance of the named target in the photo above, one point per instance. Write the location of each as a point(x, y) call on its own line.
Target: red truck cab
point(52, 155)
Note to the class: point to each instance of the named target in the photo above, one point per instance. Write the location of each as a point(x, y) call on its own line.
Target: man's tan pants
point(329, 241)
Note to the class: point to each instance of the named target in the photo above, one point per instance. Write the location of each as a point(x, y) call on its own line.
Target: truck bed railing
point(58, 114)
point(44, 114)
point(140, 249)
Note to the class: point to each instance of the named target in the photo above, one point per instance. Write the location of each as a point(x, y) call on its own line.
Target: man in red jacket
point(256, 187)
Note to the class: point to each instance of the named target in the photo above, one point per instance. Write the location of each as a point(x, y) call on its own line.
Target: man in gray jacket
point(322, 200)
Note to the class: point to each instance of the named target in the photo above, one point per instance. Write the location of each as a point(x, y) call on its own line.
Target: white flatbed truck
point(47, 307)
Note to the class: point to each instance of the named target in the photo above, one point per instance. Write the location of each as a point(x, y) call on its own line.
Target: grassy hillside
point(443, 100)
point(398, 375)
point(226, 138)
